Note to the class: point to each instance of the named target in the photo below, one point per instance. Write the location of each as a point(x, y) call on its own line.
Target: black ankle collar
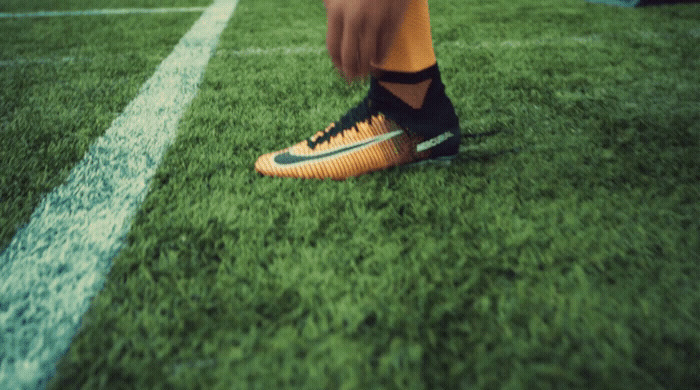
point(409, 78)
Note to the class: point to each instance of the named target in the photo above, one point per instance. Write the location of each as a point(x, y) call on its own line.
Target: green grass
point(571, 263)
point(65, 80)
point(19, 6)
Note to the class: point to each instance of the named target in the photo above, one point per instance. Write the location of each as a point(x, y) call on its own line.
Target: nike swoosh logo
point(288, 158)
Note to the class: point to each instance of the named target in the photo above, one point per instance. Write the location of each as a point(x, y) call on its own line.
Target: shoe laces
point(360, 113)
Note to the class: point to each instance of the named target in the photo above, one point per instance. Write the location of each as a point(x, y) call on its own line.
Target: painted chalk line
point(535, 42)
point(296, 50)
point(36, 61)
point(306, 50)
point(55, 264)
point(99, 12)
point(291, 50)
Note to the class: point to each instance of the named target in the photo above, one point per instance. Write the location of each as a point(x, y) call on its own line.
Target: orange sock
point(410, 52)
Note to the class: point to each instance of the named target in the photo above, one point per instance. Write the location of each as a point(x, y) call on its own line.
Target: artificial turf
point(23, 6)
point(62, 82)
point(560, 253)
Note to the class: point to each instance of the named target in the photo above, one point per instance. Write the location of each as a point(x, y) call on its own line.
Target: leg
point(405, 118)
point(410, 53)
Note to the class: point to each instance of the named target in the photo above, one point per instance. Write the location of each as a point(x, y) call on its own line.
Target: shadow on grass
point(475, 153)
point(484, 156)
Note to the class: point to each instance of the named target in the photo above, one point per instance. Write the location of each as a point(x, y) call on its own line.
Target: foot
point(379, 133)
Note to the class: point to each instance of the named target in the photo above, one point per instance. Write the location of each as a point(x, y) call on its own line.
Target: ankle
point(409, 87)
point(435, 109)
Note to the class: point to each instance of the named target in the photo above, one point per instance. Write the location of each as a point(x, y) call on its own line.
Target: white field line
point(97, 12)
point(305, 50)
point(57, 263)
point(279, 50)
point(35, 61)
point(295, 50)
point(543, 41)
point(291, 50)
point(535, 42)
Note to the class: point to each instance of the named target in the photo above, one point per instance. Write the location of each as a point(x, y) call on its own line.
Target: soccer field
point(559, 250)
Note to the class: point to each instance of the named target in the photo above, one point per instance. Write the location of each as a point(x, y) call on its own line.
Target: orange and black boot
point(380, 132)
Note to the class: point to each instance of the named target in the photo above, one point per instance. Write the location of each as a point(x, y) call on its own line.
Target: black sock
point(437, 112)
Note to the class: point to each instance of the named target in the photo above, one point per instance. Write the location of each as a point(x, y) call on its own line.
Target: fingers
point(346, 40)
point(360, 33)
point(360, 44)
point(349, 49)
point(384, 40)
point(370, 45)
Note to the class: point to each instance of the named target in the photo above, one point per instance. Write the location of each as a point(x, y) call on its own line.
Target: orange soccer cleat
point(368, 139)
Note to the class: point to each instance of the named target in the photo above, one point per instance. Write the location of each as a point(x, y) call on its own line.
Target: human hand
point(360, 32)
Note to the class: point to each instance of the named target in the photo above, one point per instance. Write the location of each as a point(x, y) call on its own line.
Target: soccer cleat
point(368, 139)
point(361, 142)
